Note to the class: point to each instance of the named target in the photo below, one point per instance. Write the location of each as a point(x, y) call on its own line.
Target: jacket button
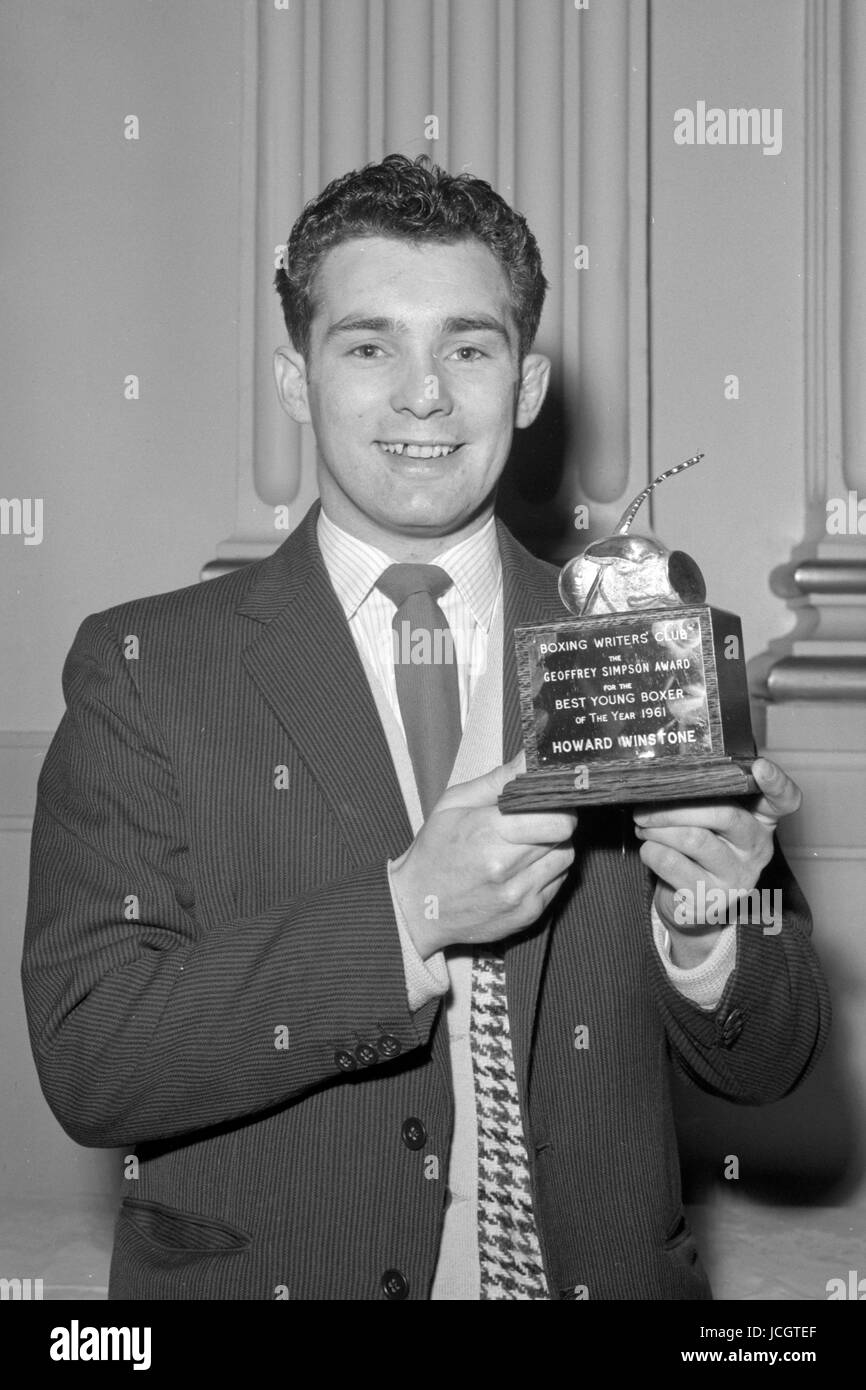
point(413, 1133)
point(345, 1061)
point(731, 1028)
point(394, 1284)
point(388, 1045)
point(366, 1055)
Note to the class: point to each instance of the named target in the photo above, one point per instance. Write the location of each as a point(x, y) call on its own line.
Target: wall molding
point(824, 657)
point(546, 101)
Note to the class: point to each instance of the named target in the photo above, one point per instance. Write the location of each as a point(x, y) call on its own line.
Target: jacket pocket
point(181, 1231)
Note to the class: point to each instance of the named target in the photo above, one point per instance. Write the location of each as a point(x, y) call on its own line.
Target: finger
point(557, 862)
point(550, 890)
point(715, 815)
point(707, 853)
point(537, 827)
point(517, 860)
point(727, 820)
point(485, 790)
point(533, 905)
point(552, 869)
point(673, 867)
point(781, 795)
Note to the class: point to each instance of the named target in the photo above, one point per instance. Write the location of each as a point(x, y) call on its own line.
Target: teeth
point(420, 451)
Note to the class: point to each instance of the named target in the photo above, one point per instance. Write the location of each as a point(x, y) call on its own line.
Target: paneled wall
point(547, 102)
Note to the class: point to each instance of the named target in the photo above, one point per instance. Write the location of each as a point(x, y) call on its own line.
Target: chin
point(427, 526)
point(434, 521)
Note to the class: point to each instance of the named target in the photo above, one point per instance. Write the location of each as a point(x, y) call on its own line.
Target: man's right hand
point(472, 874)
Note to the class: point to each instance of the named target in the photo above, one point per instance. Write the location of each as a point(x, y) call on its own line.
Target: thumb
point(781, 795)
point(484, 791)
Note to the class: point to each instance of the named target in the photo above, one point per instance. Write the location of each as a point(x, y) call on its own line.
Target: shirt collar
point(354, 566)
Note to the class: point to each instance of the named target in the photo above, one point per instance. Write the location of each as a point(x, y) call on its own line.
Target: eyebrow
point(475, 323)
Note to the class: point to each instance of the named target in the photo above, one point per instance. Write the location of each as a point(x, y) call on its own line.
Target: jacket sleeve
point(773, 1018)
point(143, 1023)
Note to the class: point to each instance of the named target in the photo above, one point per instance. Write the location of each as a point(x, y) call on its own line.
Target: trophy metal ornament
point(641, 696)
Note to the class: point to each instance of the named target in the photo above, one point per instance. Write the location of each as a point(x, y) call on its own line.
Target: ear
point(290, 374)
point(534, 378)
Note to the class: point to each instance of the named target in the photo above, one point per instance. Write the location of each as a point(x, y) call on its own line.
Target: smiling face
point(413, 386)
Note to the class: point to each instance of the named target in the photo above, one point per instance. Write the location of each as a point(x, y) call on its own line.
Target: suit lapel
point(305, 663)
point(529, 596)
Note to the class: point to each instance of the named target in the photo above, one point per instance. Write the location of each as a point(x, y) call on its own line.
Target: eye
point(468, 354)
point(368, 352)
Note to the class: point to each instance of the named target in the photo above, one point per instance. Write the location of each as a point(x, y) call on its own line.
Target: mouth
point(404, 448)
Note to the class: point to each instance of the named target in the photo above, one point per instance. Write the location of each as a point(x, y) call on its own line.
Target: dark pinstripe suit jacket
point(213, 973)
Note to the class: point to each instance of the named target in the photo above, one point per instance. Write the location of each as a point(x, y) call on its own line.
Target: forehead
point(412, 281)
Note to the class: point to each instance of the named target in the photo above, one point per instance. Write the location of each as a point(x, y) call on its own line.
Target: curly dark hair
point(413, 200)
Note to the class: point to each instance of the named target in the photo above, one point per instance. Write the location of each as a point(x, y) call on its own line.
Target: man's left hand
point(722, 844)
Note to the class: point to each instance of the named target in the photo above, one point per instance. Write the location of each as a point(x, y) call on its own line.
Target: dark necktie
point(425, 670)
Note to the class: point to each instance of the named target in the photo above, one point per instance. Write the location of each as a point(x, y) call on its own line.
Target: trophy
point(641, 696)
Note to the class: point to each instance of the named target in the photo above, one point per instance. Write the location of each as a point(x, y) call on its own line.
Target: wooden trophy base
point(562, 789)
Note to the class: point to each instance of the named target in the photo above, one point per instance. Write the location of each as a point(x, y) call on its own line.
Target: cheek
point(494, 408)
point(345, 399)
point(494, 427)
point(342, 417)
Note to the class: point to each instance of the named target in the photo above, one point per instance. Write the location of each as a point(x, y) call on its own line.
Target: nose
point(420, 388)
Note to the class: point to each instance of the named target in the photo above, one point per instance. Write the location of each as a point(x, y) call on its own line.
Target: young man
point(370, 1037)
